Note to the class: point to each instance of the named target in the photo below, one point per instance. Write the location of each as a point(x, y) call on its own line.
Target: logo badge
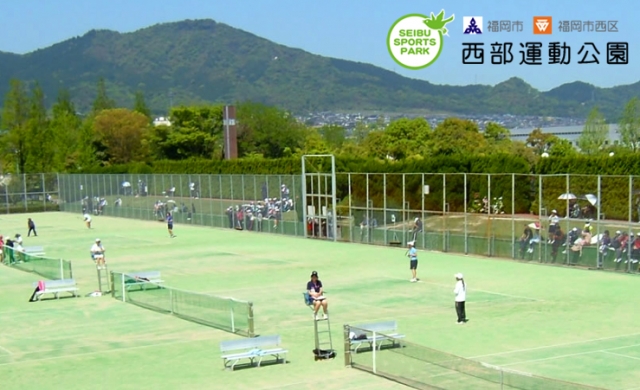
point(415, 41)
point(542, 25)
point(472, 25)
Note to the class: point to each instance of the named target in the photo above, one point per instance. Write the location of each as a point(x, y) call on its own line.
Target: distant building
point(570, 133)
point(161, 121)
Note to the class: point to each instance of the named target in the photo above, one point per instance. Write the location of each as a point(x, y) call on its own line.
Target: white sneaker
point(325, 316)
point(315, 317)
point(413, 280)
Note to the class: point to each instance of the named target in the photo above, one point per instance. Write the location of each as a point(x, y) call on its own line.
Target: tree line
point(36, 139)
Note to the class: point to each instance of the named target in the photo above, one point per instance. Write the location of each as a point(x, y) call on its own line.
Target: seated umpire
point(317, 299)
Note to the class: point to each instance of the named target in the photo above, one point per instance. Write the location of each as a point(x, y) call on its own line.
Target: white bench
point(387, 328)
point(143, 279)
point(36, 251)
point(252, 350)
point(55, 287)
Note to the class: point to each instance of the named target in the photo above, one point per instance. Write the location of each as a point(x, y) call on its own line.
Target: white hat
point(459, 276)
point(97, 240)
point(410, 243)
point(554, 212)
point(618, 232)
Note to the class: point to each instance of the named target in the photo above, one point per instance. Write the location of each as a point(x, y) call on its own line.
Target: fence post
point(367, 213)
point(171, 301)
point(404, 211)
point(513, 215)
point(251, 328)
point(568, 257)
point(444, 209)
point(466, 243)
point(347, 346)
point(540, 218)
point(384, 206)
point(501, 379)
point(26, 197)
point(490, 219)
point(630, 217)
point(351, 221)
point(113, 285)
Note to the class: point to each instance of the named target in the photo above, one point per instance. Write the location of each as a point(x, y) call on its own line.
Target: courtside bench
point(252, 350)
point(143, 279)
point(56, 287)
point(36, 251)
point(387, 328)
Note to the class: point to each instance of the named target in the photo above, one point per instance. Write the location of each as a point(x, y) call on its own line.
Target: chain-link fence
point(566, 219)
point(29, 193)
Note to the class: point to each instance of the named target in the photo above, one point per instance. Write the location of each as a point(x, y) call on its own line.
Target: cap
point(575, 229)
point(554, 212)
point(97, 240)
point(618, 232)
point(314, 273)
point(410, 243)
point(459, 276)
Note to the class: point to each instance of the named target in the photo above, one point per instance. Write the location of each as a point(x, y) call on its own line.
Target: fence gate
point(319, 196)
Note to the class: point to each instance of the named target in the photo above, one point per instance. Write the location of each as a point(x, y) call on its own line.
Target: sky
point(355, 30)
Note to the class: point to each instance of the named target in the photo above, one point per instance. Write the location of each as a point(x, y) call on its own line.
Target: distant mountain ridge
point(198, 61)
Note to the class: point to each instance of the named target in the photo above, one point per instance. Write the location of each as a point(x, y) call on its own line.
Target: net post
point(374, 351)
point(501, 379)
point(61, 269)
point(233, 322)
point(124, 299)
point(251, 328)
point(171, 301)
point(347, 346)
point(113, 284)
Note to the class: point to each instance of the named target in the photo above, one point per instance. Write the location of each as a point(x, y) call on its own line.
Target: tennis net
point(420, 367)
point(229, 314)
point(52, 269)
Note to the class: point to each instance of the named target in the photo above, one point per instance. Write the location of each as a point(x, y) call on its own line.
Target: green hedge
point(614, 190)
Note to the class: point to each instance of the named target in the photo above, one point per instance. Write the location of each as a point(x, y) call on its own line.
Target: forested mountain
point(198, 61)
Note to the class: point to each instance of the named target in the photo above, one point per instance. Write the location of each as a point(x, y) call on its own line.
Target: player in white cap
point(412, 254)
point(97, 253)
point(461, 296)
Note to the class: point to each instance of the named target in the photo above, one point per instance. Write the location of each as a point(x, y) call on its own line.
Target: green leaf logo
point(438, 22)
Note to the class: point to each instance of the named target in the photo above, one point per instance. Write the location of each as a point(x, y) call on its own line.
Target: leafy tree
point(195, 132)
point(539, 141)
point(360, 132)
point(456, 136)
point(333, 135)
point(595, 133)
point(406, 137)
point(102, 101)
point(15, 116)
point(65, 126)
point(140, 105)
point(629, 126)
point(267, 130)
point(314, 143)
point(561, 147)
point(495, 133)
point(123, 133)
point(40, 141)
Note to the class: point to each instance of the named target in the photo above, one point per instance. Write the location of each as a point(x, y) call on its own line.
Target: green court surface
point(569, 324)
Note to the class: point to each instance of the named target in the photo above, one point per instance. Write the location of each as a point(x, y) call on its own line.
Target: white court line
point(569, 355)
point(6, 350)
point(100, 352)
point(621, 355)
point(475, 289)
point(555, 345)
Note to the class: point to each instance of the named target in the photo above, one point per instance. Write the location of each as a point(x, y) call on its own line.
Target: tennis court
point(569, 324)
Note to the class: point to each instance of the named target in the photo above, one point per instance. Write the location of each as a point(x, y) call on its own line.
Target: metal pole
point(122, 286)
point(444, 209)
point(513, 215)
point(367, 212)
point(44, 192)
point(374, 346)
point(347, 346)
point(351, 222)
point(404, 211)
point(304, 196)
point(490, 229)
point(334, 190)
point(630, 219)
point(539, 217)
point(598, 223)
point(384, 206)
point(25, 196)
point(424, 241)
point(233, 322)
point(568, 257)
point(466, 241)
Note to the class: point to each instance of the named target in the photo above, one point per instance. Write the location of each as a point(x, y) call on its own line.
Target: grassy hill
point(204, 61)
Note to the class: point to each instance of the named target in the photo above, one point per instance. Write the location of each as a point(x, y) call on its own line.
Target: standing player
point(97, 253)
point(87, 220)
point(412, 254)
point(170, 224)
point(32, 228)
point(461, 296)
